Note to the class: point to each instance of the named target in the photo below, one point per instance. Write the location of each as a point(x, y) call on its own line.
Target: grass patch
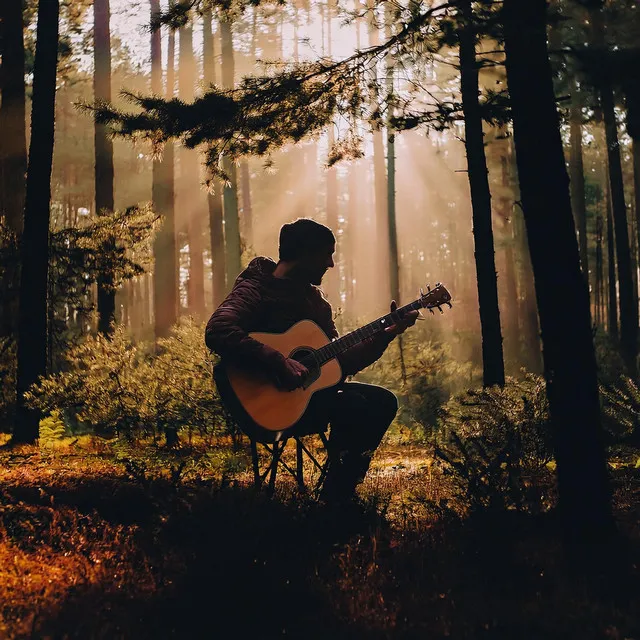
point(103, 541)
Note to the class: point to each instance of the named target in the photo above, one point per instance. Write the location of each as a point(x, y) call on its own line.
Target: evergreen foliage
point(621, 404)
point(297, 100)
point(125, 389)
point(497, 446)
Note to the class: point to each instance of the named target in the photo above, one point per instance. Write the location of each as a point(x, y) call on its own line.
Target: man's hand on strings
point(402, 323)
point(292, 375)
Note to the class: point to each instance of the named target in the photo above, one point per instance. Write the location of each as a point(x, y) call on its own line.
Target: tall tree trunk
point(165, 284)
point(576, 165)
point(247, 212)
point(230, 192)
point(13, 148)
point(103, 154)
point(569, 357)
point(214, 200)
point(611, 262)
point(32, 328)
point(189, 191)
point(628, 297)
point(332, 279)
point(636, 187)
point(379, 185)
point(394, 265)
point(599, 275)
point(492, 356)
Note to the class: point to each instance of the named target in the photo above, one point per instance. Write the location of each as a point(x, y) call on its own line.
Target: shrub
point(430, 376)
point(497, 446)
point(621, 410)
point(8, 387)
point(127, 389)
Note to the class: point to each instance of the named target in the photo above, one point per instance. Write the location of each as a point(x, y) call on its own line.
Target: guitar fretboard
point(335, 348)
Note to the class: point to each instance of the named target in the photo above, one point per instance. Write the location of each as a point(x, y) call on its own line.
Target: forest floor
point(99, 541)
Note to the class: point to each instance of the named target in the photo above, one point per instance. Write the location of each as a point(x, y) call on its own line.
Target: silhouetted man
point(272, 297)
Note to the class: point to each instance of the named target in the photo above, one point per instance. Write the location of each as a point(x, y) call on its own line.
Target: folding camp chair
point(273, 444)
point(275, 450)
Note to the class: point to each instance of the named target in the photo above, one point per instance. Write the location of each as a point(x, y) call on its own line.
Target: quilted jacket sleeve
point(226, 331)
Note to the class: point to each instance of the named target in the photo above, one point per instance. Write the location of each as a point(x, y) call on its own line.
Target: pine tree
point(165, 257)
point(190, 198)
point(104, 172)
point(32, 328)
point(214, 197)
point(492, 356)
point(569, 357)
point(230, 193)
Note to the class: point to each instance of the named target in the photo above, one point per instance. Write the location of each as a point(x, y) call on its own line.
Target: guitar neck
point(335, 348)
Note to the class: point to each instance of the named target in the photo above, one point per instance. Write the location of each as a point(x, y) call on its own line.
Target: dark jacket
point(261, 302)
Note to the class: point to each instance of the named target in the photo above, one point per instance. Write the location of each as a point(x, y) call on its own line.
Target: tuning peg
point(428, 288)
point(420, 316)
point(430, 310)
point(421, 293)
point(440, 309)
point(438, 284)
point(450, 305)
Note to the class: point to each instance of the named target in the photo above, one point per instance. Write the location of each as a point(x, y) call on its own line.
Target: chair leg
point(276, 453)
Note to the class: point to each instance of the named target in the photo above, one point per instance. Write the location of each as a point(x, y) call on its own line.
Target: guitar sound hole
point(305, 356)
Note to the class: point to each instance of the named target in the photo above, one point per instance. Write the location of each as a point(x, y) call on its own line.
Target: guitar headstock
point(435, 297)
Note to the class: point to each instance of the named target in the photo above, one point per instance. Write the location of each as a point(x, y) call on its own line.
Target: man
point(272, 297)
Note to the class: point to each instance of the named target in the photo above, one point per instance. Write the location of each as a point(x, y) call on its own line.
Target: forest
point(150, 151)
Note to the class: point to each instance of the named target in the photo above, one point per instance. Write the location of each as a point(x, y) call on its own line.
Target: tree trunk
point(103, 154)
point(636, 187)
point(628, 297)
point(611, 263)
point(190, 195)
point(569, 357)
point(381, 245)
point(214, 200)
point(492, 357)
point(165, 285)
point(577, 181)
point(13, 148)
point(247, 212)
point(230, 192)
point(32, 328)
point(394, 265)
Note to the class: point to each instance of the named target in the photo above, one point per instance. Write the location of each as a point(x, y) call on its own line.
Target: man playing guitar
point(273, 297)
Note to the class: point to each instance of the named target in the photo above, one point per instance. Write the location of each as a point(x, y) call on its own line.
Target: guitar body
point(252, 396)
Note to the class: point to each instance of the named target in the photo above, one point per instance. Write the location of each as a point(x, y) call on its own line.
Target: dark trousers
point(359, 415)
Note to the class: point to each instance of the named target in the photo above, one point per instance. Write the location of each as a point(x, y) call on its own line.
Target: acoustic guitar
point(254, 400)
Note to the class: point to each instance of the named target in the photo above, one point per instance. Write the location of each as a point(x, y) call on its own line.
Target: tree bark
point(392, 239)
point(13, 144)
point(230, 192)
point(492, 355)
point(628, 297)
point(13, 148)
point(577, 181)
point(165, 284)
point(214, 200)
point(190, 195)
point(103, 154)
point(380, 185)
point(32, 328)
point(611, 263)
point(569, 357)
